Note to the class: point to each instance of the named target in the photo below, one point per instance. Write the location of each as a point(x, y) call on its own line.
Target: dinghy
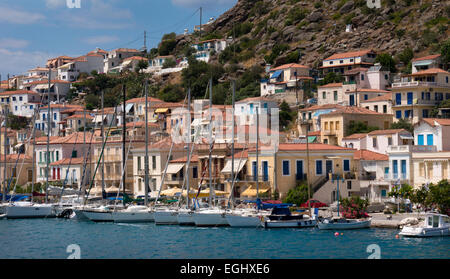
point(344, 224)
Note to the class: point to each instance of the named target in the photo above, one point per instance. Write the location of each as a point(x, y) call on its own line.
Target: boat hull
point(424, 232)
point(186, 218)
point(240, 221)
point(133, 217)
point(290, 223)
point(344, 226)
point(203, 219)
point(29, 211)
point(166, 217)
point(98, 216)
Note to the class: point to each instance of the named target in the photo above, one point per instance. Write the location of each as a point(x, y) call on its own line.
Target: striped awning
point(161, 110)
point(174, 168)
point(238, 165)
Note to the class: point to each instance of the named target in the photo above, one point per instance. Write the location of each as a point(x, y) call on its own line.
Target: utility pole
point(145, 41)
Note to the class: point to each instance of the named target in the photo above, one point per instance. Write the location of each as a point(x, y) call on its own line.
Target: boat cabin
point(436, 221)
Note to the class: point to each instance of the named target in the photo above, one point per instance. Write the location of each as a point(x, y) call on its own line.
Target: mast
point(210, 141)
point(5, 146)
point(33, 170)
point(257, 153)
point(188, 147)
point(124, 134)
point(103, 139)
point(232, 136)
point(146, 182)
point(48, 136)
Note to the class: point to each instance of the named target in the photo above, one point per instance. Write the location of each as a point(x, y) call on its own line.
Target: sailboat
point(212, 216)
point(138, 213)
point(28, 209)
point(246, 217)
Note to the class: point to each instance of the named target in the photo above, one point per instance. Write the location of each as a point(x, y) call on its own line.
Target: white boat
point(134, 214)
point(21, 210)
point(246, 218)
point(295, 223)
point(100, 214)
point(185, 217)
point(2, 216)
point(166, 216)
point(344, 224)
point(214, 217)
point(435, 225)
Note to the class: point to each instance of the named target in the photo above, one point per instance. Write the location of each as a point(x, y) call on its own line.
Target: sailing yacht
point(23, 209)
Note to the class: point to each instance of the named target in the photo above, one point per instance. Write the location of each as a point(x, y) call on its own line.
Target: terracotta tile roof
point(18, 92)
point(62, 106)
point(194, 159)
point(429, 57)
point(302, 147)
point(355, 71)
point(326, 106)
point(80, 116)
point(440, 121)
point(288, 66)
point(140, 124)
point(12, 158)
point(366, 155)
point(41, 69)
point(242, 154)
point(432, 71)
point(67, 161)
point(136, 58)
point(349, 54)
point(71, 139)
point(127, 50)
point(316, 133)
point(355, 136)
point(360, 90)
point(385, 97)
point(43, 139)
point(142, 100)
point(255, 99)
point(354, 110)
point(347, 64)
point(387, 132)
point(331, 85)
point(45, 81)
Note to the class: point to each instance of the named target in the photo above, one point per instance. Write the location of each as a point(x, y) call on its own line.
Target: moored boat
point(166, 216)
point(246, 218)
point(22, 210)
point(214, 217)
point(344, 224)
point(134, 214)
point(281, 217)
point(185, 217)
point(435, 225)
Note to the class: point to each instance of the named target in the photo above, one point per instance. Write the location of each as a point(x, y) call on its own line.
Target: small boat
point(22, 210)
point(435, 225)
point(3, 216)
point(100, 214)
point(281, 217)
point(344, 224)
point(210, 217)
point(166, 216)
point(134, 214)
point(185, 217)
point(246, 218)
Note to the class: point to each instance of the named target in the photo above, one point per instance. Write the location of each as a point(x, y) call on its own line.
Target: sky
point(33, 31)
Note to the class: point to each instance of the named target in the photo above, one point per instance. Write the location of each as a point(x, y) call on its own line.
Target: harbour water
point(49, 239)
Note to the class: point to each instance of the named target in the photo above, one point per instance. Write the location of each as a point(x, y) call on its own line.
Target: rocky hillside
point(280, 31)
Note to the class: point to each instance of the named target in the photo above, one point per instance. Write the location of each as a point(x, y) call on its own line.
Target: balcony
point(418, 83)
point(329, 132)
point(424, 148)
point(399, 149)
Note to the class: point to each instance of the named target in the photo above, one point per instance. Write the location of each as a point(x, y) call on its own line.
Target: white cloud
point(202, 3)
point(18, 62)
point(54, 4)
point(10, 43)
point(98, 40)
point(10, 15)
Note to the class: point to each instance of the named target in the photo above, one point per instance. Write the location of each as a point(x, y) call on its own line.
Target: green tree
point(419, 197)
point(403, 124)
point(285, 115)
point(406, 56)
point(297, 195)
point(142, 64)
point(169, 63)
point(17, 122)
point(359, 127)
point(445, 52)
point(331, 77)
point(439, 196)
point(386, 61)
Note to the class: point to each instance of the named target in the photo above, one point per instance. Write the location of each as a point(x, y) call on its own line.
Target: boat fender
point(336, 234)
point(397, 236)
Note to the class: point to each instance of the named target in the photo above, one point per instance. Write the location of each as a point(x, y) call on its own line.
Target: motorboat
point(24, 209)
point(246, 218)
point(186, 217)
point(101, 214)
point(134, 214)
point(281, 217)
point(344, 224)
point(435, 224)
point(210, 217)
point(166, 216)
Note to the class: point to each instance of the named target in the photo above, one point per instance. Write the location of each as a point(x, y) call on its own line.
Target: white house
point(205, 48)
point(115, 57)
point(426, 62)
point(341, 62)
point(57, 116)
point(21, 102)
point(58, 89)
point(286, 78)
point(433, 132)
point(246, 109)
point(83, 64)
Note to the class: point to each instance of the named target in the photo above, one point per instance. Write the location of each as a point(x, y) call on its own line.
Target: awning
point(251, 191)
point(238, 165)
point(423, 63)
point(98, 118)
point(128, 107)
point(174, 168)
point(276, 74)
point(43, 86)
point(312, 139)
point(369, 167)
point(407, 137)
point(171, 192)
point(161, 110)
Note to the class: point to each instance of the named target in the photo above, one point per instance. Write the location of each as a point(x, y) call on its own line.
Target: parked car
point(314, 204)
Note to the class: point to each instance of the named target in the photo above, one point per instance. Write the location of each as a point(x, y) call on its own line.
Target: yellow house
point(291, 164)
point(334, 125)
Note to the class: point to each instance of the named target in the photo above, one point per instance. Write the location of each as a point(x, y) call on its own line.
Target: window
point(384, 108)
point(154, 162)
point(375, 108)
point(425, 113)
point(74, 154)
point(430, 140)
point(319, 170)
point(420, 140)
point(54, 116)
point(14, 99)
point(362, 77)
point(398, 114)
point(346, 165)
point(374, 142)
point(139, 167)
point(335, 95)
point(324, 95)
point(349, 185)
point(337, 125)
point(326, 126)
point(286, 168)
point(408, 113)
point(20, 98)
point(57, 155)
point(366, 97)
point(389, 140)
point(194, 172)
point(15, 107)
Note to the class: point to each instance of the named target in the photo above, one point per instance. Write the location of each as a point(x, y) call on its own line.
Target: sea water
point(50, 238)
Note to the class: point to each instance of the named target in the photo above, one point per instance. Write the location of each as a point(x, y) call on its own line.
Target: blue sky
point(34, 30)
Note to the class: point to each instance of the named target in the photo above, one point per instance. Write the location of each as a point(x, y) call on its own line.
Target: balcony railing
point(418, 83)
point(424, 148)
point(329, 132)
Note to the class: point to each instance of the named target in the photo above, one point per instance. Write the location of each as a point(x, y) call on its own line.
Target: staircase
point(319, 183)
